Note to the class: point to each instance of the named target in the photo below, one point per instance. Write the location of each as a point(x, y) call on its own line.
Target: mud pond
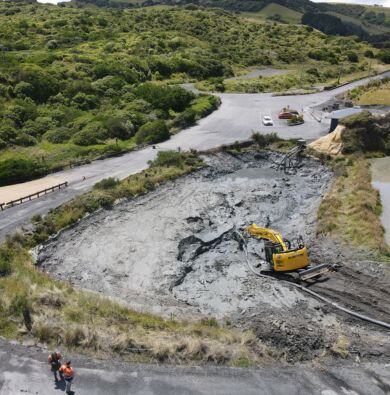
point(173, 251)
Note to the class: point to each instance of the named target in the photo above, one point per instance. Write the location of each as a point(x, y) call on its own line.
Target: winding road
point(238, 116)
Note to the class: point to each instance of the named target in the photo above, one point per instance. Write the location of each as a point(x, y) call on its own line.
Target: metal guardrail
point(15, 202)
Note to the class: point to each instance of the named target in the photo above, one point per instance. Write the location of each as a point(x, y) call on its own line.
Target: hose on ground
point(309, 291)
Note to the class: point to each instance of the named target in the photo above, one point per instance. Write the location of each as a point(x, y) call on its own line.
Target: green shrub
point(107, 183)
point(352, 56)
point(84, 101)
point(24, 140)
point(103, 199)
point(152, 132)
point(58, 135)
point(186, 118)
point(52, 44)
point(168, 158)
point(384, 56)
point(93, 133)
point(41, 83)
point(263, 140)
point(165, 97)
point(119, 128)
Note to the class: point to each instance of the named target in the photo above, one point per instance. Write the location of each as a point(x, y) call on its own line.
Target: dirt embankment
point(173, 251)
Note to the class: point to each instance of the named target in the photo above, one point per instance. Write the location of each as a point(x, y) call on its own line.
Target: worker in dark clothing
point(55, 364)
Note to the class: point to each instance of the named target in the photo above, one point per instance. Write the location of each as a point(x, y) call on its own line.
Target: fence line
point(15, 202)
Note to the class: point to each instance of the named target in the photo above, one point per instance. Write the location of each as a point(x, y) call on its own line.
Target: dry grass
point(89, 323)
point(340, 347)
point(380, 96)
point(352, 207)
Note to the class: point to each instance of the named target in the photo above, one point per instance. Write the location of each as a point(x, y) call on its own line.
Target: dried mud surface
point(174, 252)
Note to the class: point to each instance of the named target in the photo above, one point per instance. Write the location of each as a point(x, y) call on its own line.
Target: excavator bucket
point(315, 271)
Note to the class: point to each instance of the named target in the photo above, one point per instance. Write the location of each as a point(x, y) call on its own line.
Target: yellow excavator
point(282, 256)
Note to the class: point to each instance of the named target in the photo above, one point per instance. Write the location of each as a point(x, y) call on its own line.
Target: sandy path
point(13, 192)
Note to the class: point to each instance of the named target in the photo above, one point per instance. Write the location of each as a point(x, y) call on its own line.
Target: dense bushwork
point(52, 312)
point(78, 83)
point(81, 82)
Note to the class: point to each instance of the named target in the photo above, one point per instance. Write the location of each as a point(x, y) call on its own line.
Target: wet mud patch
point(173, 251)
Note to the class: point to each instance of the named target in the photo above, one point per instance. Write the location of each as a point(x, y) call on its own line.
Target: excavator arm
point(267, 234)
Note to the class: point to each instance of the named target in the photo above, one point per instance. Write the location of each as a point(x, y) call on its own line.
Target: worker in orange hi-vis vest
point(68, 373)
point(54, 361)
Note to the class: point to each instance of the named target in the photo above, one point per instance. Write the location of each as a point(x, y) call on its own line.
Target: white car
point(267, 121)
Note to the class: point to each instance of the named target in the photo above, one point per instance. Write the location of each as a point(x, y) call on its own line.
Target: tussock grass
point(352, 207)
point(83, 321)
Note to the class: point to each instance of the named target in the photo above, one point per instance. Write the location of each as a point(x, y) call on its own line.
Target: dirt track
point(173, 251)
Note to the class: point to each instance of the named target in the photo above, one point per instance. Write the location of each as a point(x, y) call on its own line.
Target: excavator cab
point(281, 260)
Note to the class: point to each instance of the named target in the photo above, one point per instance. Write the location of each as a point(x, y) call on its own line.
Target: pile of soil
point(331, 144)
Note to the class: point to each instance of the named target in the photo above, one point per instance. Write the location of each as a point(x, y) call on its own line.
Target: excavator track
point(316, 295)
point(315, 271)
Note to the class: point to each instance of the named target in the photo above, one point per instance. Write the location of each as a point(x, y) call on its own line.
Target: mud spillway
point(173, 250)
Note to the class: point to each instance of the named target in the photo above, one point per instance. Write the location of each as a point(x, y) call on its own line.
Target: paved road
point(24, 370)
point(236, 119)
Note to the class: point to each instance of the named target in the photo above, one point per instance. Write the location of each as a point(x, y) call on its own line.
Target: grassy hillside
point(79, 82)
point(276, 12)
